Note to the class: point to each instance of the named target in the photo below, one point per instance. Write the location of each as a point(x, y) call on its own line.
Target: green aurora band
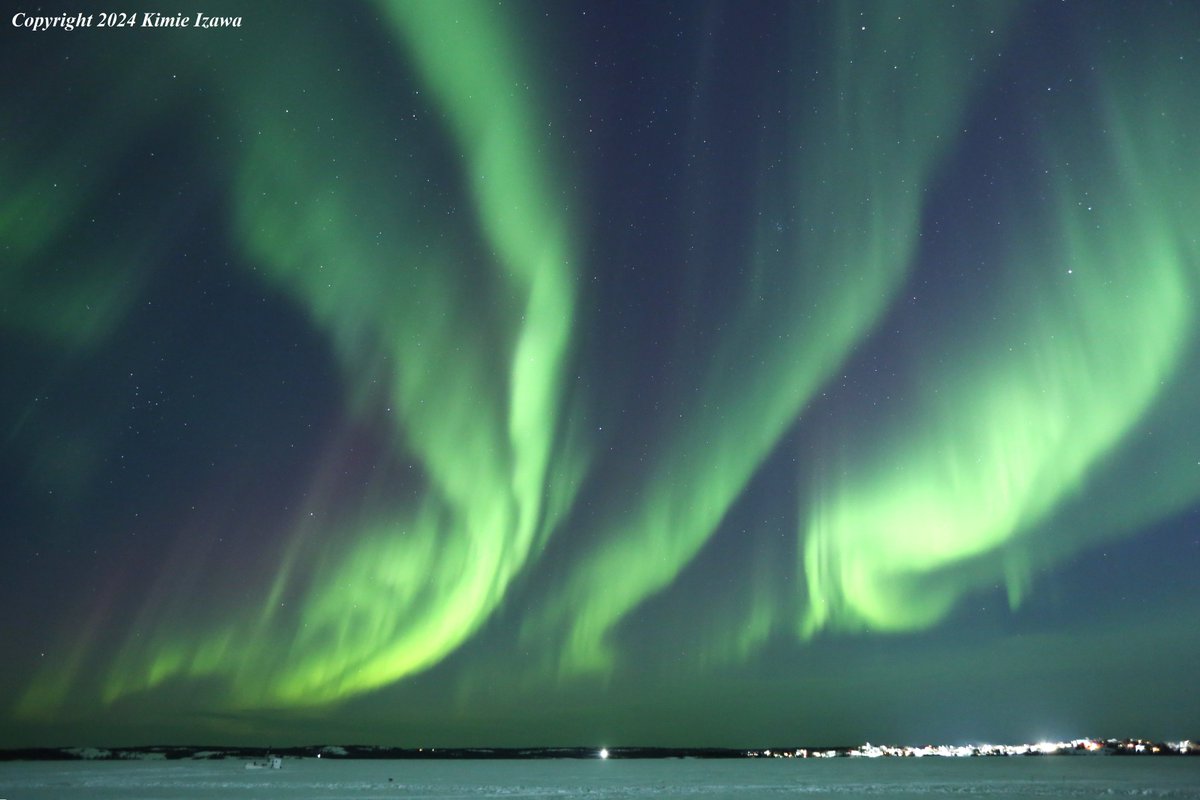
point(458, 341)
point(44, 219)
point(397, 588)
point(863, 160)
point(1096, 320)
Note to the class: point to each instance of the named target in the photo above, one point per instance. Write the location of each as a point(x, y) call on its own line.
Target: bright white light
point(604, 752)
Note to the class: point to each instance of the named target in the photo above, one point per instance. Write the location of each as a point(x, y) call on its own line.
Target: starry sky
point(676, 373)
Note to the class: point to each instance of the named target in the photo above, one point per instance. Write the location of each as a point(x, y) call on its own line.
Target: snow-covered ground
point(1001, 778)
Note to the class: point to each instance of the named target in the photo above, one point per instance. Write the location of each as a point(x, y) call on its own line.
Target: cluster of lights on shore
point(1075, 746)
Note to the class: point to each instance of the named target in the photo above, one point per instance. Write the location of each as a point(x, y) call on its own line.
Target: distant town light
point(604, 752)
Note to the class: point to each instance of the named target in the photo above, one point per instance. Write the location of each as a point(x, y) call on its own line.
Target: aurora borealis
point(539, 373)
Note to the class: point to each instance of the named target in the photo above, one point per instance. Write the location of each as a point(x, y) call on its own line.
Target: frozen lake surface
point(1095, 777)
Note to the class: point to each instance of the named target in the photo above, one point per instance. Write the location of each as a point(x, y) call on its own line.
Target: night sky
point(697, 373)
